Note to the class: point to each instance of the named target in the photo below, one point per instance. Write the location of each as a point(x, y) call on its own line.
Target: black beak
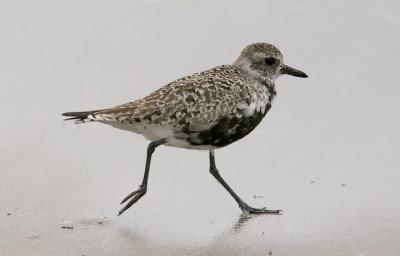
point(292, 71)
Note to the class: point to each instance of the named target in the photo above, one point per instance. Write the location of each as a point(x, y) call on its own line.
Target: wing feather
point(192, 103)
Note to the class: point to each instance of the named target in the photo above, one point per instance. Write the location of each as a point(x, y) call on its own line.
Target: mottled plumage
point(206, 110)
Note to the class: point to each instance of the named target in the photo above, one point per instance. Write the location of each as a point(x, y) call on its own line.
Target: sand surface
point(327, 154)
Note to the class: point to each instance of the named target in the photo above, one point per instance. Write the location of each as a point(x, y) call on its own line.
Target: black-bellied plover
point(204, 111)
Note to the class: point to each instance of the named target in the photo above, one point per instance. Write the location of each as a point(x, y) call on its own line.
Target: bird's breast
point(232, 128)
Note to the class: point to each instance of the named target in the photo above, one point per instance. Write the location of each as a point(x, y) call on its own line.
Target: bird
point(203, 111)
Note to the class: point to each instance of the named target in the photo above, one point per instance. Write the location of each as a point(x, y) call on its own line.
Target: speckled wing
point(190, 104)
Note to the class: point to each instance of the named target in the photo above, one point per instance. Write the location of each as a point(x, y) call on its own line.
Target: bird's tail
point(80, 117)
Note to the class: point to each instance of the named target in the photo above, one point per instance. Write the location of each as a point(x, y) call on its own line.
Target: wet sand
point(326, 154)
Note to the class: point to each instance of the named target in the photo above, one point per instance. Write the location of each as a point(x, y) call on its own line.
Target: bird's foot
point(134, 196)
point(248, 209)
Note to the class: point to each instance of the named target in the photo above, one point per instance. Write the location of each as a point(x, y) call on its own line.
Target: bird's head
point(265, 60)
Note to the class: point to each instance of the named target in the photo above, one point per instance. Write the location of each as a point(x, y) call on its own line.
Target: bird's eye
point(270, 61)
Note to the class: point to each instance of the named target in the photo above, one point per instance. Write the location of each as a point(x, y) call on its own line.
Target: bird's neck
point(268, 82)
point(245, 66)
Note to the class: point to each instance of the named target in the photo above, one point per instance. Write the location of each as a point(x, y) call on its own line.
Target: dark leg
point(142, 188)
point(242, 204)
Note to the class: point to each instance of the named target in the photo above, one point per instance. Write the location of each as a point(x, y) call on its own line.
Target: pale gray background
point(327, 153)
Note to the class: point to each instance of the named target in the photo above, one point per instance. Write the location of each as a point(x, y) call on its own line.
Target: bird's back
point(189, 108)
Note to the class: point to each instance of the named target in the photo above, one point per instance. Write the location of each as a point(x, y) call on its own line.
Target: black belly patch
point(228, 130)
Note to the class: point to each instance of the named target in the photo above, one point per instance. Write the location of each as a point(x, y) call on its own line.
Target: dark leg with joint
point(136, 195)
point(242, 204)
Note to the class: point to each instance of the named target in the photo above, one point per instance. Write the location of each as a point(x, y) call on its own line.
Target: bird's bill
point(292, 71)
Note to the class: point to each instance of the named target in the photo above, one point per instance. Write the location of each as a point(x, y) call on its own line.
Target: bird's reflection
point(242, 220)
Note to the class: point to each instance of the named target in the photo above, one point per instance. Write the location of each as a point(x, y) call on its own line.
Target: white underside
point(157, 132)
point(176, 138)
